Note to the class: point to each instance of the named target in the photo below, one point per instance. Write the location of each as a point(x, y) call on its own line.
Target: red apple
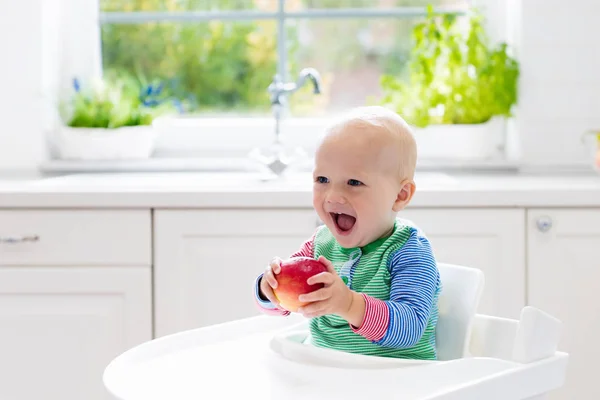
point(291, 281)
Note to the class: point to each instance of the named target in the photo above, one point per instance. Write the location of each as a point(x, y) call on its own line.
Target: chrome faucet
point(276, 157)
point(279, 90)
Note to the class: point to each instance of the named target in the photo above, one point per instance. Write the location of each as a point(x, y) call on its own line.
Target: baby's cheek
point(374, 208)
point(317, 200)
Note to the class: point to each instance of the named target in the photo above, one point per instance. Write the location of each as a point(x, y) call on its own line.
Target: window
point(222, 54)
point(219, 56)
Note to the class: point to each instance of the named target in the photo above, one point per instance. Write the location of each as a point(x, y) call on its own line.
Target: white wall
point(557, 46)
point(21, 127)
point(559, 50)
point(41, 49)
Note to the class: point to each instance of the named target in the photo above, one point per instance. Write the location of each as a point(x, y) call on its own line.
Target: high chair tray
point(256, 358)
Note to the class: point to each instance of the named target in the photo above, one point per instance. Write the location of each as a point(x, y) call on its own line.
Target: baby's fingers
point(328, 264)
point(324, 277)
point(267, 291)
point(269, 295)
point(317, 295)
point(270, 278)
point(275, 265)
point(315, 309)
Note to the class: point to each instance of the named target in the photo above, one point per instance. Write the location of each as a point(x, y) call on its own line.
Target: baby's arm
point(267, 307)
point(401, 321)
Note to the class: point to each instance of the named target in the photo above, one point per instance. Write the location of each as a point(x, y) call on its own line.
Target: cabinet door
point(61, 326)
point(564, 280)
point(75, 237)
point(492, 240)
point(206, 261)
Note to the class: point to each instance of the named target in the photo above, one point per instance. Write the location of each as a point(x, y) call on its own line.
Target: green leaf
point(117, 100)
point(454, 76)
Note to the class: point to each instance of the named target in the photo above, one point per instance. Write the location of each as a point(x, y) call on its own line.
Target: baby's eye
point(321, 179)
point(354, 182)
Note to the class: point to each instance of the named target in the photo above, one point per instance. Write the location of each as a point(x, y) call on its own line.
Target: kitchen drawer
point(75, 237)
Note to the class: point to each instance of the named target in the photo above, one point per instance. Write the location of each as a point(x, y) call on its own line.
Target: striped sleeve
point(376, 319)
point(401, 321)
point(306, 250)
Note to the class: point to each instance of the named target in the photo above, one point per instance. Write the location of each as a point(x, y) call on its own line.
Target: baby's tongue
point(345, 222)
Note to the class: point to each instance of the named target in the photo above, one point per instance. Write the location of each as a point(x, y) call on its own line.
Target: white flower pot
point(128, 142)
point(467, 142)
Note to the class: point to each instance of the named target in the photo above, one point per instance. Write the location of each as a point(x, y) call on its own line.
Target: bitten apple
point(291, 281)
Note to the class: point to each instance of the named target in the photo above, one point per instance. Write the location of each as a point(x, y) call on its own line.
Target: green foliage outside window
point(212, 65)
point(227, 65)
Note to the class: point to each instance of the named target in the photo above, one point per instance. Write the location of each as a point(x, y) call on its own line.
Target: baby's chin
point(347, 241)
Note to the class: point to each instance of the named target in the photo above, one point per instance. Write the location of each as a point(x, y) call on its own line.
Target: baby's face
point(356, 185)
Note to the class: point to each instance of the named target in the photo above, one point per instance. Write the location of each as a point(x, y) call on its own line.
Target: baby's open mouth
point(343, 222)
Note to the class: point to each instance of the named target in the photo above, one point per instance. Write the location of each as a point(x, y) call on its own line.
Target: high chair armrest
point(533, 337)
point(493, 337)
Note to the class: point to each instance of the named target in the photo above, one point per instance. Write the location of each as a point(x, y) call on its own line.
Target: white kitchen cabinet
point(492, 240)
point(61, 326)
point(206, 261)
point(75, 237)
point(75, 292)
point(564, 280)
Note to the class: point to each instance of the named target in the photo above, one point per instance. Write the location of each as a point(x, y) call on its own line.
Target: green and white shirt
point(400, 282)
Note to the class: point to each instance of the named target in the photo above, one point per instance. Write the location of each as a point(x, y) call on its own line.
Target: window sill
point(237, 136)
point(228, 165)
point(233, 136)
point(224, 145)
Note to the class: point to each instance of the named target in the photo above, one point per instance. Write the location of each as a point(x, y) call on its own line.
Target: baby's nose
point(335, 197)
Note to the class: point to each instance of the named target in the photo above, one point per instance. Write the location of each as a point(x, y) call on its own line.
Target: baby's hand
point(334, 298)
point(269, 282)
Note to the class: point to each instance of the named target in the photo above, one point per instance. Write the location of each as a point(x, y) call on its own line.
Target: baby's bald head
point(381, 133)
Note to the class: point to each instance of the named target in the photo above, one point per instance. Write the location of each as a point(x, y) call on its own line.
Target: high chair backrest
point(457, 304)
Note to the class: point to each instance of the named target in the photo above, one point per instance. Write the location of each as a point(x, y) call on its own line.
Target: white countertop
point(237, 190)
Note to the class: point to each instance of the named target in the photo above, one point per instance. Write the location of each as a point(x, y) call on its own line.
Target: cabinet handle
point(544, 223)
point(19, 239)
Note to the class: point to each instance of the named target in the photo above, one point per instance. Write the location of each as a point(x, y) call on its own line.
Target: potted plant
point(458, 90)
point(111, 119)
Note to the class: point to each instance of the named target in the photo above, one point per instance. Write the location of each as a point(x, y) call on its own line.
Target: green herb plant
point(115, 101)
point(454, 75)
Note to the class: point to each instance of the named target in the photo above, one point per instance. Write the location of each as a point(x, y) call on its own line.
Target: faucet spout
point(313, 75)
point(278, 89)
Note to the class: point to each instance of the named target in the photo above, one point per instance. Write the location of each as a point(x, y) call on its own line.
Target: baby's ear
point(405, 194)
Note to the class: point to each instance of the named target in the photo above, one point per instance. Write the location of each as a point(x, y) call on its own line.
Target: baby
point(381, 288)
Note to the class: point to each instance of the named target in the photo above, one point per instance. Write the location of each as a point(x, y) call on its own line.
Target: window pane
point(350, 54)
point(295, 5)
point(214, 66)
point(175, 5)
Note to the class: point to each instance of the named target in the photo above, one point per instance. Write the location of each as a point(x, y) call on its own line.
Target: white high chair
point(267, 357)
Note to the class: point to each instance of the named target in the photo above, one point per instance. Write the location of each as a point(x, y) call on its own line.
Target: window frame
point(279, 16)
point(237, 136)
